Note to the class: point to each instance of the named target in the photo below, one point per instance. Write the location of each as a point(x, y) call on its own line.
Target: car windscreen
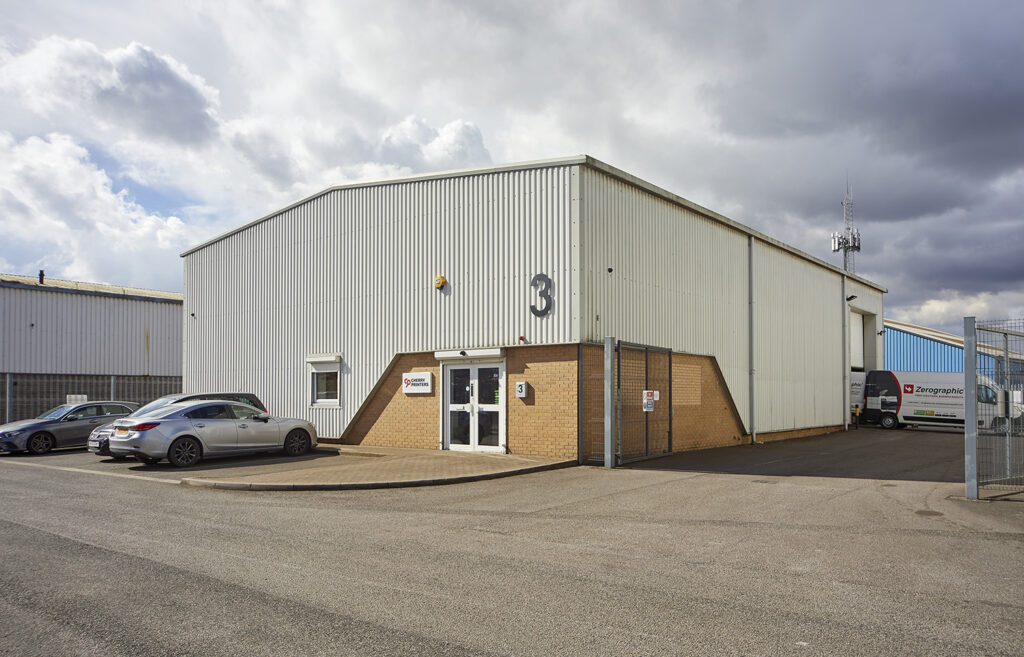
point(55, 413)
point(152, 406)
point(162, 411)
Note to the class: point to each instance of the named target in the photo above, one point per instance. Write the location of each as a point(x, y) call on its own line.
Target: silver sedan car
point(186, 432)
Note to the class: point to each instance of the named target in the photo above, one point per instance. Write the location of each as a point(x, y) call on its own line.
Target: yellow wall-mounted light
point(439, 282)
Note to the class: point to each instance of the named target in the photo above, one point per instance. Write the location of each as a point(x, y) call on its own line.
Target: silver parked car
point(99, 439)
point(67, 425)
point(186, 432)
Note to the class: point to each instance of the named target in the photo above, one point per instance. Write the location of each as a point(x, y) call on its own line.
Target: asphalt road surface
point(847, 545)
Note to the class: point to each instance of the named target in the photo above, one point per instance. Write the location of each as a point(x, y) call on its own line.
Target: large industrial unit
point(60, 338)
point(468, 310)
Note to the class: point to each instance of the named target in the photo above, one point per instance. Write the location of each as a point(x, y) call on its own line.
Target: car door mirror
point(72, 418)
point(262, 417)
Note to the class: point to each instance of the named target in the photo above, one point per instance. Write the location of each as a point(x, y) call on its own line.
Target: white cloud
point(950, 307)
point(414, 144)
point(74, 87)
point(60, 212)
point(162, 125)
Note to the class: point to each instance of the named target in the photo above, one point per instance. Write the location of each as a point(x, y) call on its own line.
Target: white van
point(892, 399)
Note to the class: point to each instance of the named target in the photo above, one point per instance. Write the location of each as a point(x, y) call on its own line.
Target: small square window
point(325, 387)
point(325, 382)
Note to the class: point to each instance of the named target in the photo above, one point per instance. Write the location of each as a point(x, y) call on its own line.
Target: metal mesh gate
point(994, 410)
point(643, 433)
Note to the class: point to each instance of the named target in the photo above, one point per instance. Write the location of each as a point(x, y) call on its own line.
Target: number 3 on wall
point(542, 282)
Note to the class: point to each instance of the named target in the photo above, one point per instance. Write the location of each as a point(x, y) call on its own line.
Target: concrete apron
point(348, 467)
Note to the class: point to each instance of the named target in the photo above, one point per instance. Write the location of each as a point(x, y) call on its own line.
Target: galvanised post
point(970, 409)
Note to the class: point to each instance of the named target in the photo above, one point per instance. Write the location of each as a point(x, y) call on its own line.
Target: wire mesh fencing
point(27, 395)
point(643, 402)
point(994, 452)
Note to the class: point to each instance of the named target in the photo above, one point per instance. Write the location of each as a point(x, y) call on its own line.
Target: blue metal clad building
point(910, 348)
point(907, 351)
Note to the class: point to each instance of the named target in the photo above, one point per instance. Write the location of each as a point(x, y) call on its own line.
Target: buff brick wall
point(544, 423)
point(592, 399)
point(394, 419)
point(703, 415)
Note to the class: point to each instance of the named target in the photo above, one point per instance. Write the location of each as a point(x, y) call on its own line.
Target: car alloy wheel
point(296, 443)
point(40, 443)
point(184, 452)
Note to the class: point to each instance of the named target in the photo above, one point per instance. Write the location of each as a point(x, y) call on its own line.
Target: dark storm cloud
point(941, 85)
point(972, 252)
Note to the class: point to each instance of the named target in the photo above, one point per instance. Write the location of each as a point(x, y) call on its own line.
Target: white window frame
point(321, 364)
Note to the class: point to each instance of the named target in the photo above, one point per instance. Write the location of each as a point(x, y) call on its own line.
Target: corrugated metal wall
point(350, 272)
point(680, 280)
point(906, 352)
point(798, 342)
point(46, 332)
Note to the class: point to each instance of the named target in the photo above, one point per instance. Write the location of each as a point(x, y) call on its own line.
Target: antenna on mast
point(849, 240)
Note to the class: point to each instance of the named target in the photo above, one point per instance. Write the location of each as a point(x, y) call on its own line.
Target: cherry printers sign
point(417, 382)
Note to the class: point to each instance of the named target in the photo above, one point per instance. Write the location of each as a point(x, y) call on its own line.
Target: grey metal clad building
point(64, 337)
point(325, 307)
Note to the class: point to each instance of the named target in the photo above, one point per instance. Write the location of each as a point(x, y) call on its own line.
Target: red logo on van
point(908, 388)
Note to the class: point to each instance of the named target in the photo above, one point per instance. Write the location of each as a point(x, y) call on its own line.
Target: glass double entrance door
point(475, 405)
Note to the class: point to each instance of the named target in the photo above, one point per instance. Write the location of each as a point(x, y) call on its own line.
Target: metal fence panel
point(27, 395)
point(643, 434)
point(999, 406)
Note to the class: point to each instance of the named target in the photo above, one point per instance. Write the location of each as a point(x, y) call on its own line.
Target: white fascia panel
point(469, 353)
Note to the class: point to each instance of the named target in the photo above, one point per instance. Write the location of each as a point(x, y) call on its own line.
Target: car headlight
point(12, 434)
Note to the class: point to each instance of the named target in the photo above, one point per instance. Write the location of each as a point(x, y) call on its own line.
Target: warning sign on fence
point(650, 396)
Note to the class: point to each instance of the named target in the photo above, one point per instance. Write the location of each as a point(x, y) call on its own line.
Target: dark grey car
point(67, 425)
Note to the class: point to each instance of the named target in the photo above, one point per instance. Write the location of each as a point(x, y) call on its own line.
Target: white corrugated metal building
point(60, 338)
point(324, 307)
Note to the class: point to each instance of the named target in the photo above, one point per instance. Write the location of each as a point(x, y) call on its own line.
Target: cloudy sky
point(132, 130)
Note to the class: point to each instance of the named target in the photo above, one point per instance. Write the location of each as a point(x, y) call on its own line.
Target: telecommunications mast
point(849, 240)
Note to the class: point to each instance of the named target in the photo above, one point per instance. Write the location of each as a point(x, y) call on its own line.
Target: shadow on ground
point(246, 461)
point(907, 454)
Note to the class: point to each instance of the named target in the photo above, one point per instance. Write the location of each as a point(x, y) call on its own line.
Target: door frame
point(446, 366)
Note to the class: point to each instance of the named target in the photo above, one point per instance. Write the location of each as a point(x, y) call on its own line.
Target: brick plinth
point(544, 423)
point(392, 418)
point(704, 416)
